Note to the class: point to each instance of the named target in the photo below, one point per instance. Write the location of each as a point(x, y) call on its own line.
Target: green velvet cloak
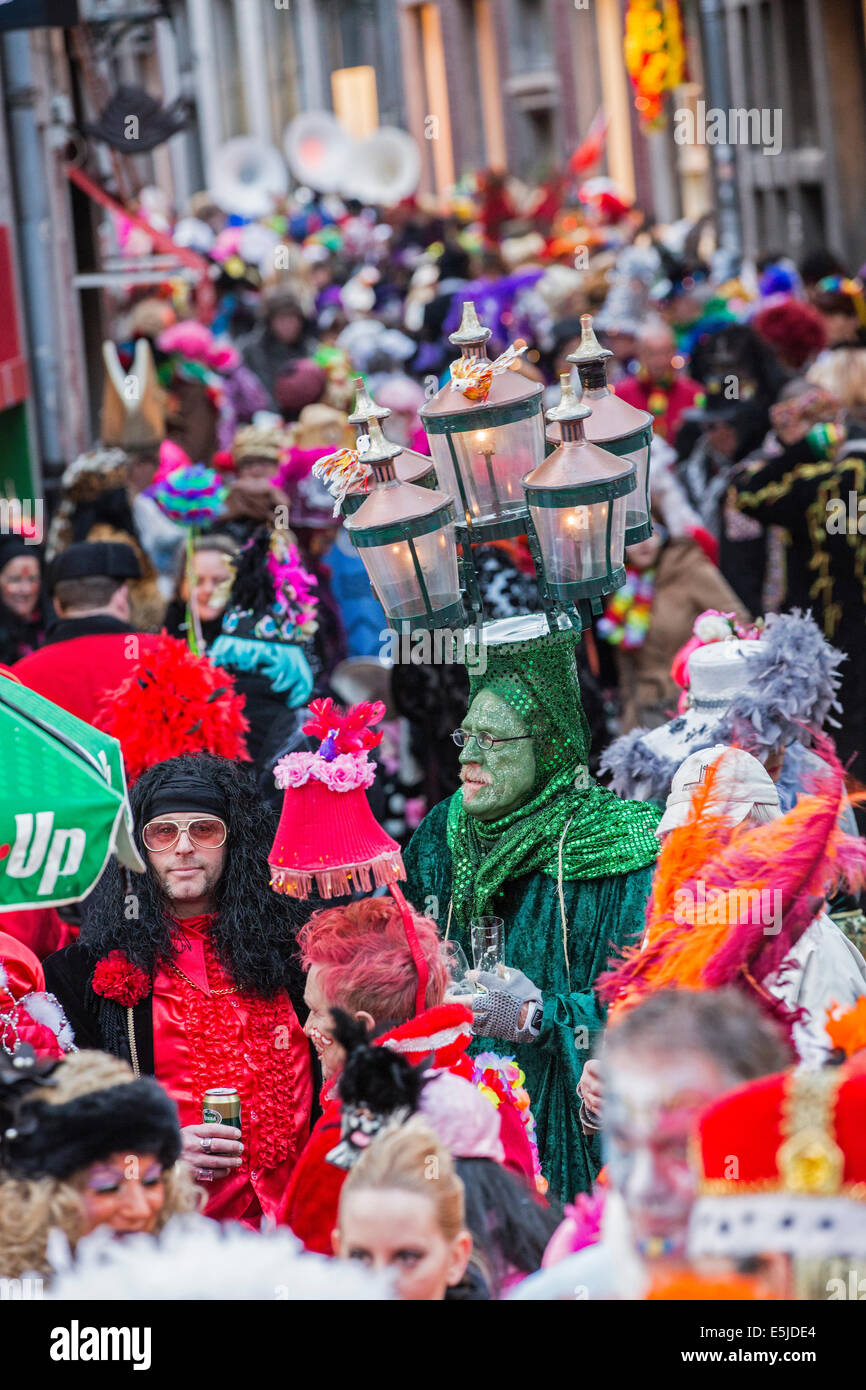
point(601, 914)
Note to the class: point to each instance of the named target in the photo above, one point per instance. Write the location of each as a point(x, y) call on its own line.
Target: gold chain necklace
point(214, 993)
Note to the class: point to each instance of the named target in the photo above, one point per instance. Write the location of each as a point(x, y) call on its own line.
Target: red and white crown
point(783, 1167)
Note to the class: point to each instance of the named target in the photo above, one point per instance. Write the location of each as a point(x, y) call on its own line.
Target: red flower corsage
point(117, 978)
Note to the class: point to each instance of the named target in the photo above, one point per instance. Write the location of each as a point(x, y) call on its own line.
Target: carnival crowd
point(647, 1079)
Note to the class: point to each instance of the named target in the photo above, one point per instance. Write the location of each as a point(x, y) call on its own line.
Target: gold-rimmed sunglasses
point(205, 832)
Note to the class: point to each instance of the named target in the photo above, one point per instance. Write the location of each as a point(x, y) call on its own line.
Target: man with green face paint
point(530, 837)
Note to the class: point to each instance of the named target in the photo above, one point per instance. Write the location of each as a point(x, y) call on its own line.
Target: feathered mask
point(377, 1087)
point(728, 904)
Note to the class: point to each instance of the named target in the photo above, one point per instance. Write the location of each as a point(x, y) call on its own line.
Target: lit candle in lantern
point(571, 496)
point(487, 450)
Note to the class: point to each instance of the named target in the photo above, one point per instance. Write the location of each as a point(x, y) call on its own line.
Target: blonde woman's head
point(402, 1211)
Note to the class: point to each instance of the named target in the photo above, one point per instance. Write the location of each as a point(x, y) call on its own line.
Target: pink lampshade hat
point(328, 841)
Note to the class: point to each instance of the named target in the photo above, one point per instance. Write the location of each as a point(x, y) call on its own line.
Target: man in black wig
point(188, 971)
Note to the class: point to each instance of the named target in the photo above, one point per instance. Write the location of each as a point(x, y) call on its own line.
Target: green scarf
point(605, 836)
point(571, 826)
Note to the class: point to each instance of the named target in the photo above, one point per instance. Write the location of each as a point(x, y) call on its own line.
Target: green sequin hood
point(570, 827)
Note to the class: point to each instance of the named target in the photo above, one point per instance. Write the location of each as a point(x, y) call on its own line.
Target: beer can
point(222, 1106)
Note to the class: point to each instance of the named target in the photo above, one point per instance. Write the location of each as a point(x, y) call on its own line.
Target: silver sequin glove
point(497, 1012)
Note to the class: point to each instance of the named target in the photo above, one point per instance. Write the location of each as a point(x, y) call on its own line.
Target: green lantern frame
point(409, 531)
point(591, 360)
point(483, 418)
point(581, 495)
point(628, 444)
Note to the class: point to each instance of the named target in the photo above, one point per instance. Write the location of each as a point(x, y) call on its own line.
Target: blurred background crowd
point(754, 373)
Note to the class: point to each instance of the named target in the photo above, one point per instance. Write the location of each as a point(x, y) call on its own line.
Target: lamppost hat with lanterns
point(618, 427)
point(529, 835)
point(579, 507)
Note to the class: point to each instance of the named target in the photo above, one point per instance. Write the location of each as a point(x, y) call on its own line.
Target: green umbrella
point(63, 803)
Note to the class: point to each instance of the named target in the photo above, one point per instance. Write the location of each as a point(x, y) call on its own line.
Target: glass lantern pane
point(492, 463)
point(574, 540)
point(395, 578)
point(637, 509)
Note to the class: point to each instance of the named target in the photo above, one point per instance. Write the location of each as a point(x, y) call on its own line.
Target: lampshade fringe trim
point(339, 881)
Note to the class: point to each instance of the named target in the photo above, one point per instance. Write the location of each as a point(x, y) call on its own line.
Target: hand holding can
point(211, 1150)
point(222, 1105)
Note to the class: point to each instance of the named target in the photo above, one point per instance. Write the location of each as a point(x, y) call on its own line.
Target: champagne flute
point(462, 986)
point(487, 935)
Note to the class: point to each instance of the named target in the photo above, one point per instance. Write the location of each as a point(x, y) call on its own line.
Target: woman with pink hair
point(358, 959)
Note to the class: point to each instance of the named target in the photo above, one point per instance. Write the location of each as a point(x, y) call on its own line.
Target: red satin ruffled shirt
point(206, 1033)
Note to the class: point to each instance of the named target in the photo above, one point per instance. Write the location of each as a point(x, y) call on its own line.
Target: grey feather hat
point(755, 694)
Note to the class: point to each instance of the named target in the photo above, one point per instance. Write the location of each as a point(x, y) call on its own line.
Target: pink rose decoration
point(295, 769)
point(346, 772)
point(341, 775)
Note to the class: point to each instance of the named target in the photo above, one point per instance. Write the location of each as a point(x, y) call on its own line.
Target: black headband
point(58, 1140)
point(186, 791)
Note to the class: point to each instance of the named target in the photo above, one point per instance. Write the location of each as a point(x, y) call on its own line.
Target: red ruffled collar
point(201, 924)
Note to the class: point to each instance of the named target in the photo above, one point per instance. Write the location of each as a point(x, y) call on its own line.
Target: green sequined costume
point(569, 872)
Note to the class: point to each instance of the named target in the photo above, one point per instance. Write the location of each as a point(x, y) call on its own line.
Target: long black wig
point(254, 931)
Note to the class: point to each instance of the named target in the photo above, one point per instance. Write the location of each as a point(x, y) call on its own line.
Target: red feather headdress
point(349, 732)
point(172, 703)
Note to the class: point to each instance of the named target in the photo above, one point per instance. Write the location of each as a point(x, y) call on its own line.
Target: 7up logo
point(40, 846)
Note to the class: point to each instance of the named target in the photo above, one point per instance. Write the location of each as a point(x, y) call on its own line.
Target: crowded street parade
point(432, 667)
